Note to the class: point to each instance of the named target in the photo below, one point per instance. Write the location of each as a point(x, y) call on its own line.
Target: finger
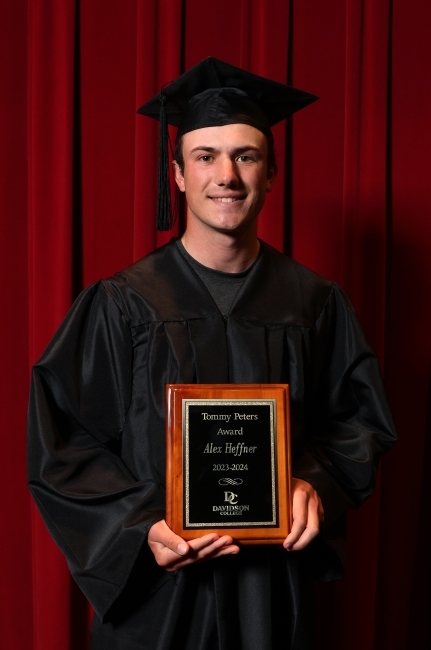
point(206, 541)
point(167, 547)
point(208, 553)
point(210, 541)
point(200, 552)
point(307, 536)
point(164, 556)
point(298, 528)
point(313, 515)
point(311, 531)
point(161, 534)
point(200, 548)
point(224, 545)
point(300, 518)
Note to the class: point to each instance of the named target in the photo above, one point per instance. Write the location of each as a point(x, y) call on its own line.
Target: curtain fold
point(51, 58)
point(15, 512)
point(364, 223)
point(403, 596)
point(78, 202)
point(160, 60)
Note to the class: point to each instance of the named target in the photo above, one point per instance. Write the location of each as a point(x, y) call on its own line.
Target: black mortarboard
point(215, 93)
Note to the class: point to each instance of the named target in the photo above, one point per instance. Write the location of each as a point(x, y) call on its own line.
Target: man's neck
point(231, 253)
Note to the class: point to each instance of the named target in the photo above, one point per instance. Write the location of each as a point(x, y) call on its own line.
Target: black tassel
point(164, 213)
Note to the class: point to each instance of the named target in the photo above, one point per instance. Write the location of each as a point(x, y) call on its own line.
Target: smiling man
point(215, 306)
point(225, 176)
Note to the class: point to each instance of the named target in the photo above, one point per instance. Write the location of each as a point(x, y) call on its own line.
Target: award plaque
point(228, 461)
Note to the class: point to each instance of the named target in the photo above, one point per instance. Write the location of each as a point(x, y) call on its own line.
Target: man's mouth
point(227, 199)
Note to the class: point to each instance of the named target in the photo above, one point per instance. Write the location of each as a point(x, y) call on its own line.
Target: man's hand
point(307, 511)
point(172, 552)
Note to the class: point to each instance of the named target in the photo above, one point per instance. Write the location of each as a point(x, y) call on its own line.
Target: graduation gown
point(96, 450)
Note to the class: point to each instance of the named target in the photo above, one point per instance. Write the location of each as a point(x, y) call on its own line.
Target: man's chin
point(224, 221)
point(233, 228)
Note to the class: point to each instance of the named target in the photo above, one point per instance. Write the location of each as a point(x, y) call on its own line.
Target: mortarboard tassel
point(164, 214)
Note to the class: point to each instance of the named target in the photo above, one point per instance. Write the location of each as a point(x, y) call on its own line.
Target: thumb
point(160, 532)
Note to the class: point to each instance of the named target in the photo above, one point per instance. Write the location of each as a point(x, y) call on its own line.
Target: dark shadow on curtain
point(419, 635)
point(79, 634)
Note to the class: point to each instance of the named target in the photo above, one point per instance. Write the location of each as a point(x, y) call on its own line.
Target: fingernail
point(182, 549)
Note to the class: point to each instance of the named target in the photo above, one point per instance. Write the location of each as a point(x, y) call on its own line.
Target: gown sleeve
point(350, 423)
point(98, 512)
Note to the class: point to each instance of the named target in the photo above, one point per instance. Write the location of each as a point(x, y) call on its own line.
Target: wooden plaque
point(228, 461)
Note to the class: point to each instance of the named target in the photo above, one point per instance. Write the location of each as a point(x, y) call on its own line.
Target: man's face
point(225, 176)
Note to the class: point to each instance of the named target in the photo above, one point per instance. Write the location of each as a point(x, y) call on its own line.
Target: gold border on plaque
point(177, 395)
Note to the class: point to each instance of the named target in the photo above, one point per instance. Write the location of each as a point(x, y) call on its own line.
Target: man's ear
point(179, 178)
point(272, 173)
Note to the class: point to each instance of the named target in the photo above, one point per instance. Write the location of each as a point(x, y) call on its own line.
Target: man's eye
point(244, 158)
point(205, 158)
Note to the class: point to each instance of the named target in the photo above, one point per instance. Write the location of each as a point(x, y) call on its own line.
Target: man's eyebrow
point(237, 151)
point(204, 148)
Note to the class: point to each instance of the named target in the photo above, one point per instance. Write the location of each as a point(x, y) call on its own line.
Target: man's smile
point(227, 199)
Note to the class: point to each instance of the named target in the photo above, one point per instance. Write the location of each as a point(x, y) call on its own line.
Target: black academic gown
point(97, 443)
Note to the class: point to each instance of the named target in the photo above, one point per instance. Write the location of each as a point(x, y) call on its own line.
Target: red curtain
point(77, 202)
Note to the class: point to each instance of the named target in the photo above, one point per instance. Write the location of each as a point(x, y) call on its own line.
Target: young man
point(216, 306)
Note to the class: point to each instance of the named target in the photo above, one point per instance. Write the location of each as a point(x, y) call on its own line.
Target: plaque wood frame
point(179, 394)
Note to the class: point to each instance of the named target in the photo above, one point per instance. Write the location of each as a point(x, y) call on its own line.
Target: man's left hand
point(307, 511)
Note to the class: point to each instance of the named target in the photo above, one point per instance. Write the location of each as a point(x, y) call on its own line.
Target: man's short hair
point(272, 161)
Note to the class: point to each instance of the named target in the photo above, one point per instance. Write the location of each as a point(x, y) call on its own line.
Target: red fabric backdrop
point(77, 202)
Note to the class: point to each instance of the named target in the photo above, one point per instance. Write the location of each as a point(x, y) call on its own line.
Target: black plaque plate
point(230, 474)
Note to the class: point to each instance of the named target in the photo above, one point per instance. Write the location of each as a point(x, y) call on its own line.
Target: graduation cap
point(215, 93)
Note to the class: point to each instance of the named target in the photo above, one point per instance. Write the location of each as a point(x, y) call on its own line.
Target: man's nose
point(227, 172)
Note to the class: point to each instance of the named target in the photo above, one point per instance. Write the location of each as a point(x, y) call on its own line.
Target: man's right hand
point(172, 552)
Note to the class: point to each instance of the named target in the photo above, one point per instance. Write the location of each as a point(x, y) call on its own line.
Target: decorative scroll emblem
point(230, 481)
